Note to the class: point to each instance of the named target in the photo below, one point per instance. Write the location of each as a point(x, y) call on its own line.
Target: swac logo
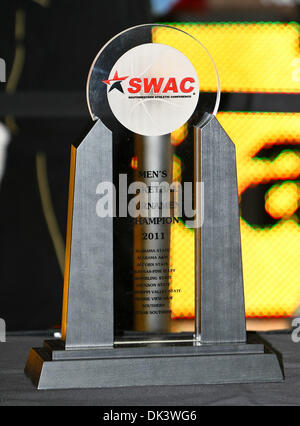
point(152, 89)
point(161, 85)
point(152, 85)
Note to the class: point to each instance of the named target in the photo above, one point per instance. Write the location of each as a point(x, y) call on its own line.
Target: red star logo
point(116, 78)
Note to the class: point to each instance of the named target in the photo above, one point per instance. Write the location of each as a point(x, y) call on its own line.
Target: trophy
point(155, 165)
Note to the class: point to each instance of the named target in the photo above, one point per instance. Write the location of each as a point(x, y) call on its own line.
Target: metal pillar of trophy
point(87, 356)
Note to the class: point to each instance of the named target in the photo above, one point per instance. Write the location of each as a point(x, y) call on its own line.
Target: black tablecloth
point(16, 388)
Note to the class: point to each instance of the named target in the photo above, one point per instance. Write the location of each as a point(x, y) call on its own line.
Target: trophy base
point(53, 367)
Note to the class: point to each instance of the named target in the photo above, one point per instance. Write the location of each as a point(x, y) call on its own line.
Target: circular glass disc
point(146, 79)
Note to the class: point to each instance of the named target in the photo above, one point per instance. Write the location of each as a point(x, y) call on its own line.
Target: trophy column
point(152, 237)
point(218, 241)
point(87, 319)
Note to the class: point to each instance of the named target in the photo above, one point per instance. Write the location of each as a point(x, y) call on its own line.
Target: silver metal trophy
point(153, 200)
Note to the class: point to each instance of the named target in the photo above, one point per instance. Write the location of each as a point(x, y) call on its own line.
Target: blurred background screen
point(47, 47)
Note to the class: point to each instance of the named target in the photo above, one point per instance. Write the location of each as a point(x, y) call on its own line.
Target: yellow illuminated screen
point(250, 57)
point(271, 261)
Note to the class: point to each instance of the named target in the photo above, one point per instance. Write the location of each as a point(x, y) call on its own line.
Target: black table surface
point(17, 389)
